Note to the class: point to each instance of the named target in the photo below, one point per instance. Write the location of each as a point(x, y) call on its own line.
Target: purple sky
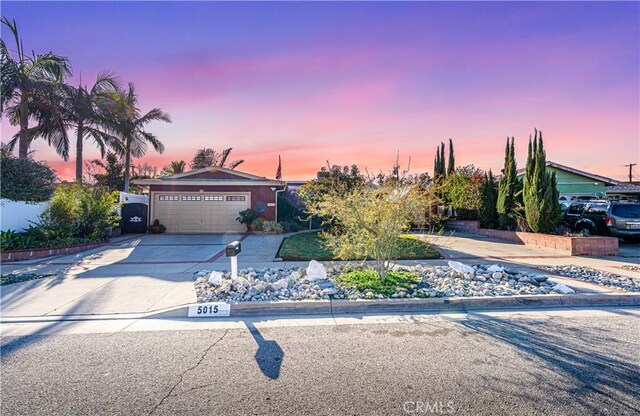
point(356, 82)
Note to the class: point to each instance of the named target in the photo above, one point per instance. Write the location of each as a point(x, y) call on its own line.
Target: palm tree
point(85, 111)
point(176, 167)
point(206, 157)
point(128, 125)
point(29, 85)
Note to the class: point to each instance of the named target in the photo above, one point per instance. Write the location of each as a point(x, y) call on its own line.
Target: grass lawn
point(364, 280)
point(308, 246)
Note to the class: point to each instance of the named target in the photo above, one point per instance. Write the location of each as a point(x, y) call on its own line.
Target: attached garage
point(209, 200)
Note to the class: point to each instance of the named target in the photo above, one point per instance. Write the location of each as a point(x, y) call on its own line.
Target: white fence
point(133, 198)
point(16, 215)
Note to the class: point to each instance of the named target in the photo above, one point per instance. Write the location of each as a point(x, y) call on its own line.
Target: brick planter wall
point(18, 255)
point(574, 246)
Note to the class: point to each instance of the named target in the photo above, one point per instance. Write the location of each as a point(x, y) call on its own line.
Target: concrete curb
point(283, 308)
point(380, 306)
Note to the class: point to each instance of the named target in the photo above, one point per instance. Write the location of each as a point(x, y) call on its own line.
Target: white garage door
point(206, 212)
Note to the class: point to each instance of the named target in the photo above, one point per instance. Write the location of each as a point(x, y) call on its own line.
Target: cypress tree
point(507, 187)
point(488, 214)
point(439, 168)
point(452, 161)
point(443, 171)
point(540, 190)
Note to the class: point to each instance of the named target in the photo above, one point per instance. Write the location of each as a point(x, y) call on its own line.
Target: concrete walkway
point(473, 248)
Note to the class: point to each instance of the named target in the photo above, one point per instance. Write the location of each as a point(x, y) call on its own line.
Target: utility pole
point(630, 166)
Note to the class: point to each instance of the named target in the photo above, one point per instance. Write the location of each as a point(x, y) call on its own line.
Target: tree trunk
point(127, 167)
point(23, 139)
point(79, 144)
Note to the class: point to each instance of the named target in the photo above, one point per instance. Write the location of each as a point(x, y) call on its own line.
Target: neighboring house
point(574, 183)
point(208, 200)
point(624, 192)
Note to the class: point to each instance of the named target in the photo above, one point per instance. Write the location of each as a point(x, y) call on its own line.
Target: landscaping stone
point(215, 278)
point(316, 271)
point(7, 279)
point(460, 267)
point(597, 276)
point(563, 289)
point(303, 284)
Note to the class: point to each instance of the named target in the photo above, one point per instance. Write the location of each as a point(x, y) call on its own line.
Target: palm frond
point(154, 115)
point(236, 163)
point(106, 82)
point(157, 145)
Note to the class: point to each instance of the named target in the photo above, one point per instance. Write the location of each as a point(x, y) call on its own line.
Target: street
point(573, 362)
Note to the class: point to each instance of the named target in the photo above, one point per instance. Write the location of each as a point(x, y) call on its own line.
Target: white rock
point(497, 275)
point(564, 289)
point(316, 271)
point(215, 278)
point(495, 268)
point(460, 268)
point(280, 284)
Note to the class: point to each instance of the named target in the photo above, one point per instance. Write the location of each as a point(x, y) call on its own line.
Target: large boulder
point(316, 271)
point(215, 278)
point(461, 268)
point(563, 289)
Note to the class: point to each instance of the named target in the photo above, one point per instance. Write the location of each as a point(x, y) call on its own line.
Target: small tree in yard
point(371, 220)
point(26, 180)
point(462, 190)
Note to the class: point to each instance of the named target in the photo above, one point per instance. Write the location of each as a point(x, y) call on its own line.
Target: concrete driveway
point(131, 274)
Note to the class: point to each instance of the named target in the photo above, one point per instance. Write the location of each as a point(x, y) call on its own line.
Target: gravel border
point(599, 277)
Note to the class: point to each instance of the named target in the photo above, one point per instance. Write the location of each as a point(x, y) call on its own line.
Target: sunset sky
point(356, 82)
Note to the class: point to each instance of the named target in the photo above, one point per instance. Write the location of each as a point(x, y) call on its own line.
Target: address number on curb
point(209, 309)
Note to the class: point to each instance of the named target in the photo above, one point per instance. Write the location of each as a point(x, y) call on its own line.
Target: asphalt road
point(573, 364)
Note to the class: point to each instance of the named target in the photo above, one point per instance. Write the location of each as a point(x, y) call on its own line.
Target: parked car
point(616, 219)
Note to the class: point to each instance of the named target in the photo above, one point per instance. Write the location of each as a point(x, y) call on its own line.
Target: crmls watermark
point(434, 407)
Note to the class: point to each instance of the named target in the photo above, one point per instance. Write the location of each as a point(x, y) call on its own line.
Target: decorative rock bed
point(596, 276)
point(269, 284)
point(7, 279)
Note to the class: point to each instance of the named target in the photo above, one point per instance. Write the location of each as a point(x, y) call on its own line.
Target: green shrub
point(368, 280)
point(82, 211)
point(291, 226)
point(257, 224)
point(247, 217)
point(26, 180)
point(271, 226)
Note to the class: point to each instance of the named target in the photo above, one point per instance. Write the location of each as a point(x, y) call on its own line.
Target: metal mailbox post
point(232, 250)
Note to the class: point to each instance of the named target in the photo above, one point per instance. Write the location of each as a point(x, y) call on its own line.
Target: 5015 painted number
point(209, 309)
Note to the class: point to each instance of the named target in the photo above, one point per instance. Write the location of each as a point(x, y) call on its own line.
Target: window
point(191, 197)
point(597, 208)
point(213, 198)
point(168, 197)
point(576, 209)
point(236, 198)
point(626, 210)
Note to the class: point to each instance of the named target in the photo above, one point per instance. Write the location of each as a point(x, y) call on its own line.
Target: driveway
point(131, 274)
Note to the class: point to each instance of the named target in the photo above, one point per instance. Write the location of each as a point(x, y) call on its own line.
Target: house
point(624, 192)
point(574, 183)
point(208, 200)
